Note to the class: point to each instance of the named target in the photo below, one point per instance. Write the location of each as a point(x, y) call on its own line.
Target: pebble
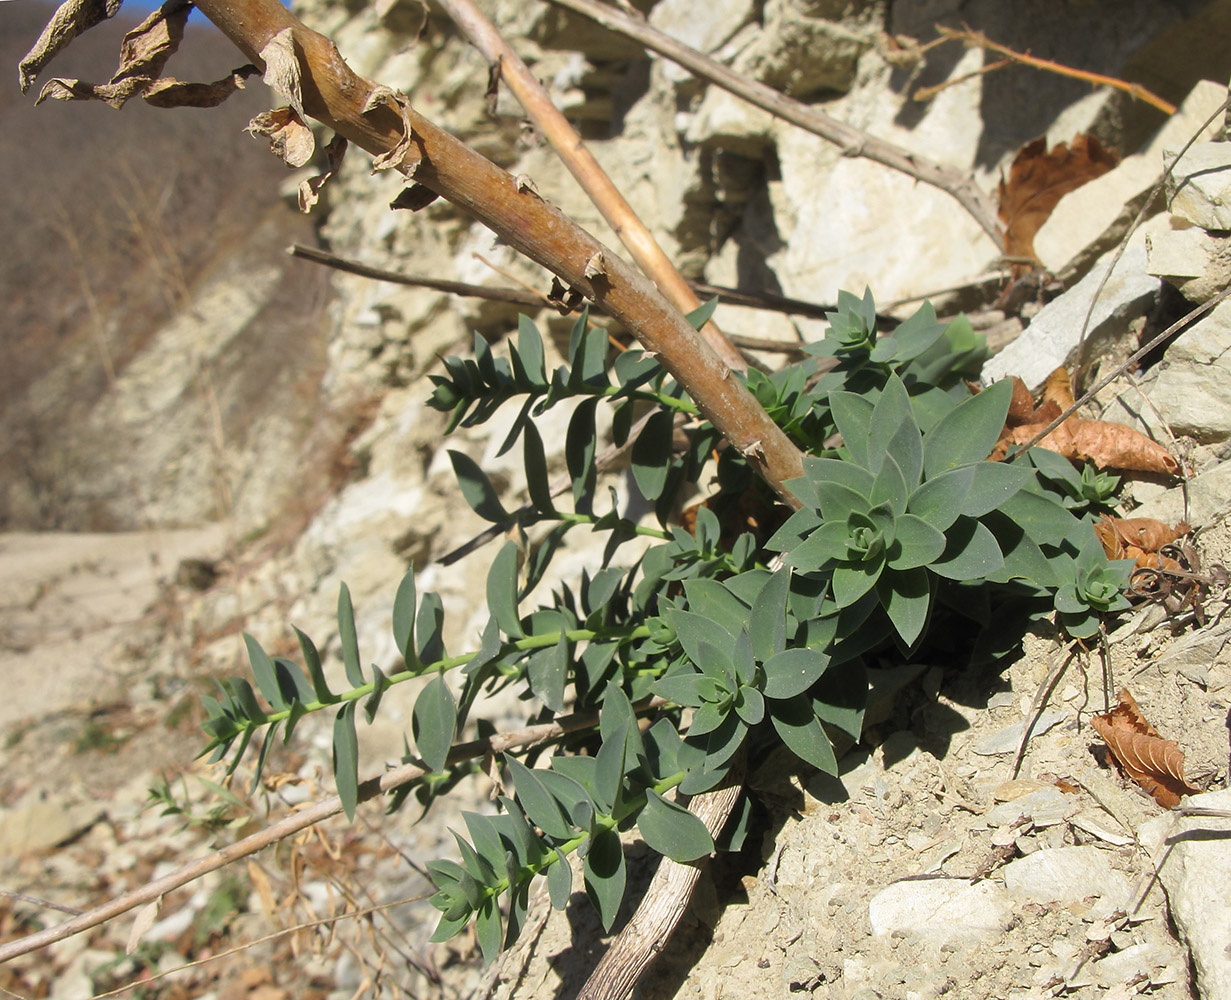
point(941, 909)
point(1045, 807)
point(1066, 875)
point(1007, 740)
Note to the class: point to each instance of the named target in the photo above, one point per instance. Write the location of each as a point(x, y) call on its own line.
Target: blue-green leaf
point(701, 315)
point(538, 484)
point(559, 881)
point(477, 488)
point(651, 457)
point(969, 432)
point(994, 483)
point(433, 723)
point(672, 830)
point(939, 501)
point(971, 552)
point(346, 758)
point(348, 638)
point(429, 628)
point(906, 597)
point(853, 415)
point(917, 543)
point(793, 671)
point(606, 876)
point(529, 354)
point(580, 442)
point(263, 673)
point(404, 619)
point(312, 660)
point(767, 623)
point(538, 802)
point(502, 591)
point(709, 599)
point(547, 672)
point(487, 929)
point(799, 729)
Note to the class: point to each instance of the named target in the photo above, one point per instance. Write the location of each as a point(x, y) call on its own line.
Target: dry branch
point(853, 141)
point(572, 150)
point(323, 810)
point(387, 126)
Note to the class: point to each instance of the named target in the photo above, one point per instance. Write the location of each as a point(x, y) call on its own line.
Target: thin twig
point(1123, 367)
point(371, 788)
point(572, 150)
point(853, 141)
point(979, 40)
point(1038, 704)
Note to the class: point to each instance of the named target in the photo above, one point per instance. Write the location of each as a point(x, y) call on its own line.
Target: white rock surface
point(1087, 221)
point(1197, 262)
point(1066, 875)
point(1054, 335)
point(1199, 186)
point(941, 908)
point(1194, 858)
point(1007, 740)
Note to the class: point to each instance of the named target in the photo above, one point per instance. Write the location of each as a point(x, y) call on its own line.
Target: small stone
point(1199, 185)
point(1195, 870)
point(1046, 807)
point(1066, 875)
point(1007, 740)
point(940, 909)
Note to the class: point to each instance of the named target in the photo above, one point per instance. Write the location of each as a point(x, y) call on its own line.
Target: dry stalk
point(381, 122)
point(370, 789)
point(572, 150)
point(853, 141)
point(976, 39)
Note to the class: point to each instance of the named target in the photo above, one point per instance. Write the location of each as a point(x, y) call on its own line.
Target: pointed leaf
point(906, 597)
point(346, 759)
point(939, 501)
point(971, 552)
point(560, 881)
point(968, 433)
point(477, 488)
point(917, 543)
point(853, 415)
point(652, 452)
point(537, 801)
point(263, 673)
point(349, 639)
point(502, 591)
point(672, 830)
point(793, 671)
point(538, 484)
point(767, 623)
point(312, 660)
point(547, 672)
point(404, 619)
point(606, 876)
point(802, 733)
point(433, 721)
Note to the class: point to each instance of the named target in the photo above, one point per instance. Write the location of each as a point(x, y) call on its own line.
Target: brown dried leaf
point(1021, 407)
point(71, 19)
point(168, 92)
point(143, 54)
point(413, 198)
point(310, 189)
point(1039, 178)
point(1118, 534)
point(289, 138)
point(282, 71)
point(1156, 764)
point(1057, 391)
point(393, 157)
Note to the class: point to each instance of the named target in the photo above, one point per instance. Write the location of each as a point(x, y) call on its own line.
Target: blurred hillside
point(115, 223)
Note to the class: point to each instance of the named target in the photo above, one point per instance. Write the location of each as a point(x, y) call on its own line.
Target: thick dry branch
point(572, 150)
point(377, 120)
point(853, 141)
point(665, 900)
point(323, 810)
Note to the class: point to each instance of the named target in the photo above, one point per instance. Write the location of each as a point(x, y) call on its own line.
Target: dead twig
point(372, 788)
point(853, 141)
point(572, 150)
point(976, 39)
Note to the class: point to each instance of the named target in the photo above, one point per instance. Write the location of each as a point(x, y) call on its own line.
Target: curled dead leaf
point(70, 20)
point(596, 266)
point(1146, 535)
point(413, 198)
point(1039, 178)
point(170, 93)
point(1156, 764)
point(1021, 406)
point(393, 157)
point(310, 189)
point(282, 72)
point(289, 138)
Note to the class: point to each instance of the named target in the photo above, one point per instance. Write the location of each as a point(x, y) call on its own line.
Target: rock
point(42, 823)
point(1088, 221)
point(943, 909)
point(1194, 865)
point(1066, 875)
point(1054, 335)
point(1196, 262)
point(802, 54)
point(1197, 650)
point(1046, 807)
point(1199, 185)
point(703, 27)
point(1191, 387)
point(1209, 496)
point(1140, 960)
point(1007, 740)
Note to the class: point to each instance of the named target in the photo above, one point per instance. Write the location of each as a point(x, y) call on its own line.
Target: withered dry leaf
point(413, 197)
point(70, 19)
point(171, 93)
point(1156, 764)
point(1107, 445)
point(1021, 406)
point(1039, 178)
point(310, 189)
point(596, 267)
point(282, 71)
point(392, 157)
point(145, 920)
point(143, 54)
point(1145, 533)
point(289, 138)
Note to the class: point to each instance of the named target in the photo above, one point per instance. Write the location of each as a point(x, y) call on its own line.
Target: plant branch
point(323, 810)
point(977, 39)
point(853, 141)
point(385, 124)
point(571, 149)
point(752, 300)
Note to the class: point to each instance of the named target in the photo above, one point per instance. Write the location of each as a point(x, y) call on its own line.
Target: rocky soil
point(929, 867)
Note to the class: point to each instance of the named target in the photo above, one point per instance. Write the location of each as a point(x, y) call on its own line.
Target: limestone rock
point(801, 53)
point(1207, 497)
point(703, 27)
point(1199, 185)
point(1194, 855)
point(941, 908)
point(1054, 335)
point(1065, 875)
point(1007, 740)
point(1197, 262)
point(1088, 221)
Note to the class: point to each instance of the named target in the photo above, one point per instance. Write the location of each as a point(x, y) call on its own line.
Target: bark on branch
point(333, 94)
